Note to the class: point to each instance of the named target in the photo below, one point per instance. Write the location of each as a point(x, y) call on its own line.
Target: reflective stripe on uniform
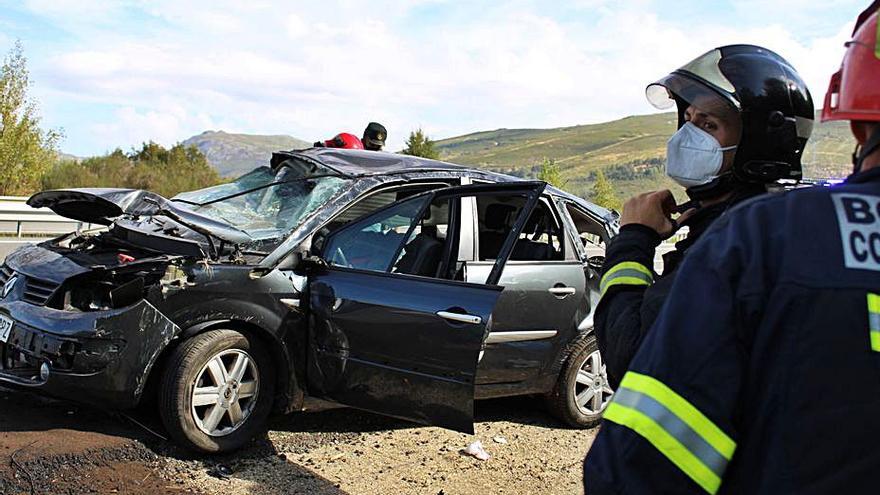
point(626, 273)
point(874, 321)
point(674, 427)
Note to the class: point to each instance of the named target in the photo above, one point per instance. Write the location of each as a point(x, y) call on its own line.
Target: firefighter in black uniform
point(762, 373)
point(744, 117)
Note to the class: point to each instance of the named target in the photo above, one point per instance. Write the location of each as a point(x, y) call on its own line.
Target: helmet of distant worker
point(744, 117)
point(342, 140)
point(854, 94)
point(374, 136)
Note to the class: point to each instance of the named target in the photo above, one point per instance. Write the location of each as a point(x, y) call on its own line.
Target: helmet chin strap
point(719, 186)
point(864, 151)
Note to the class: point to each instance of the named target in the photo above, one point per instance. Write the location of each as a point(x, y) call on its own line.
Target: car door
point(543, 301)
point(391, 331)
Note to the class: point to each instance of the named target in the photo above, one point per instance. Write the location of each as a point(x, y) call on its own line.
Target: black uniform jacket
point(630, 306)
point(762, 372)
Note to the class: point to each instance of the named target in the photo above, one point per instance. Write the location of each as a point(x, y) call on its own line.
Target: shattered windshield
point(263, 203)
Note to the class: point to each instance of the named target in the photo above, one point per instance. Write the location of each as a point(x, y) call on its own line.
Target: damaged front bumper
point(100, 357)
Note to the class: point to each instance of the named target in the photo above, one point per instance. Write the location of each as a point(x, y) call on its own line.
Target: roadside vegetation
point(30, 161)
point(26, 150)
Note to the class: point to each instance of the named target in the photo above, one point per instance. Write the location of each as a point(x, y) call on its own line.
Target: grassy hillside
point(235, 154)
point(630, 151)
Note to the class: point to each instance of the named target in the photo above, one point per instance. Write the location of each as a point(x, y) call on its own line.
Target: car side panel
point(531, 325)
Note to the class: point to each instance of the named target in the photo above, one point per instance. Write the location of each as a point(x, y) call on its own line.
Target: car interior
point(540, 239)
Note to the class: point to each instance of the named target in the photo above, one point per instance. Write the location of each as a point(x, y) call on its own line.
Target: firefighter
point(374, 136)
point(744, 117)
point(341, 140)
point(762, 373)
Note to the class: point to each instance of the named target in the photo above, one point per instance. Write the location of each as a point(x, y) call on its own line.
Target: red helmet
point(854, 92)
point(345, 140)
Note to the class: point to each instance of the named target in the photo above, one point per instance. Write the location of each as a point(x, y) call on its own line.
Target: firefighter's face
point(724, 126)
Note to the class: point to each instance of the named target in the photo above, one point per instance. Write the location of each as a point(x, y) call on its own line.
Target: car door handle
point(562, 291)
point(461, 318)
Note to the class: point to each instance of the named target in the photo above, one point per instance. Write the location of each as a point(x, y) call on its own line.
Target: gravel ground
point(63, 448)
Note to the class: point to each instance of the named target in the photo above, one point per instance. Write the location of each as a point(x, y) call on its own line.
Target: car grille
point(38, 291)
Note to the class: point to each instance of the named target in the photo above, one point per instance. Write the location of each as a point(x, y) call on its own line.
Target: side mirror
point(291, 261)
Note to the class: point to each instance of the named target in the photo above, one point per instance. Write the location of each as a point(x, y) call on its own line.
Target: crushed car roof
point(359, 163)
point(362, 163)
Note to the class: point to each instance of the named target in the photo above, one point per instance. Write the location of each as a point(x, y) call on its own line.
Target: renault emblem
point(9, 285)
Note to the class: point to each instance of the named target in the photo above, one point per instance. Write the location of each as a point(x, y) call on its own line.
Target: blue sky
point(116, 73)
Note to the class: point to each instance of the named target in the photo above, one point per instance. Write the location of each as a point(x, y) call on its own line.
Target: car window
point(379, 200)
point(590, 232)
point(374, 242)
point(540, 240)
point(416, 238)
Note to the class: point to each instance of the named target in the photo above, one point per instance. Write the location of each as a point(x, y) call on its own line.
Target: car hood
point(105, 205)
point(98, 205)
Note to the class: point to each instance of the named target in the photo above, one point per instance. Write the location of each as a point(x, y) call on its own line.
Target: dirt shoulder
point(69, 449)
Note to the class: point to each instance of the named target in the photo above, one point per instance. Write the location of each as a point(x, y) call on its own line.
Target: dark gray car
point(394, 284)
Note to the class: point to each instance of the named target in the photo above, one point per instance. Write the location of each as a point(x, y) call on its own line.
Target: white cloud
point(318, 69)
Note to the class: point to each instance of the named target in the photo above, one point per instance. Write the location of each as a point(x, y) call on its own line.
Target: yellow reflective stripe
point(683, 409)
point(873, 303)
point(874, 321)
point(665, 444)
point(626, 273)
point(624, 281)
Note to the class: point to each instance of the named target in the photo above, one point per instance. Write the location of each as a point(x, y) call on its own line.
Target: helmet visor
point(681, 88)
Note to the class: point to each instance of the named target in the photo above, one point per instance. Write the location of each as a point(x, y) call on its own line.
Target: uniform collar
point(866, 176)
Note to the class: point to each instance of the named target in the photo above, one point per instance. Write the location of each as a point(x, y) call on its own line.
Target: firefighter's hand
point(654, 210)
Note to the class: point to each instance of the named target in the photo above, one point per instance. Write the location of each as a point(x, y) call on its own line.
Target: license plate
point(5, 328)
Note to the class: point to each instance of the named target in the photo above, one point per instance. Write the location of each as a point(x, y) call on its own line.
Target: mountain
point(235, 154)
point(630, 151)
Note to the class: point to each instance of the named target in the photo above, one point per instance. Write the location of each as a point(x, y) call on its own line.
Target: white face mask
point(693, 156)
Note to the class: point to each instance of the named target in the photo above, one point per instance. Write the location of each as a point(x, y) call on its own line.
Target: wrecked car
point(394, 284)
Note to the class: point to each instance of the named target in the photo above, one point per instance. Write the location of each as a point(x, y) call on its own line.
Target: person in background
point(374, 136)
point(744, 117)
point(342, 140)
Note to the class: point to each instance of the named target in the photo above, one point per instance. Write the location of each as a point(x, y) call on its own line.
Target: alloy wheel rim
point(225, 392)
point(592, 392)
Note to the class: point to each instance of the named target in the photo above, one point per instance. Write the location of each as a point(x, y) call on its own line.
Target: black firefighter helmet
point(374, 136)
point(768, 95)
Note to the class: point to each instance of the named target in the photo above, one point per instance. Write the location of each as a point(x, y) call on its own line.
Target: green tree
point(418, 144)
point(26, 150)
point(603, 193)
point(152, 167)
point(550, 173)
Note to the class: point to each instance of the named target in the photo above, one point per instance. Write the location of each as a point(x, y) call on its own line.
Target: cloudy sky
point(116, 73)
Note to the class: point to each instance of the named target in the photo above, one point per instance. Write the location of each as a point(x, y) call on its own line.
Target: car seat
point(495, 229)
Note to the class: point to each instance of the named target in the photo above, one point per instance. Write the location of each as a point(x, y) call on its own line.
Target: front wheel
point(582, 391)
point(216, 391)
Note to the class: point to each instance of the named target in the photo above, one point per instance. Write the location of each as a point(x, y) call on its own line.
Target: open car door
point(394, 329)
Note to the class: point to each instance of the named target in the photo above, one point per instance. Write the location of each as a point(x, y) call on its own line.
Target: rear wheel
point(216, 392)
point(582, 391)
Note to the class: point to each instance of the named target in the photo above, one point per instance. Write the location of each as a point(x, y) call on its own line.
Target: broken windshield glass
point(271, 212)
point(268, 202)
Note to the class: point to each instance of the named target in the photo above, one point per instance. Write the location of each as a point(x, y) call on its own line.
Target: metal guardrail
point(20, 220)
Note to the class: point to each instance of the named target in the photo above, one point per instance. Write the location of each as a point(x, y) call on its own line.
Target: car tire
point(216, 392)
point(580, 403)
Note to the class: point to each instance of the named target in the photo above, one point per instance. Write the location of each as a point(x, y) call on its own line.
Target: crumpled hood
point(38, 262)
point(104, 205)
